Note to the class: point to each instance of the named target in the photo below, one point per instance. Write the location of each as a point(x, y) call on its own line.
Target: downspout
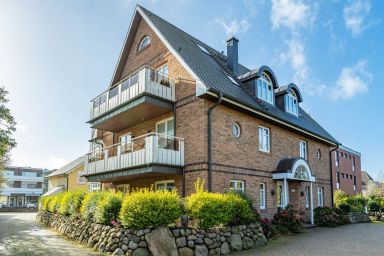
point(331, 168)
point(210, 140)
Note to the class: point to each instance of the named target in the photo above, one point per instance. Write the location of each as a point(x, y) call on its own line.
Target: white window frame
point(307, 197)
point(280, 189)
point(264, 134)
point(353, 163)
point(166, 120)
point(236, 130)
point(94, 186)
point(303, 149)
point(80, 180)
point(236, 183)
point(165, 183)
point(291, 103)
point(124, 188)
point(262, 195)
point(264, 89)
point(144, 43)
point(320, 197)
point(162, 69)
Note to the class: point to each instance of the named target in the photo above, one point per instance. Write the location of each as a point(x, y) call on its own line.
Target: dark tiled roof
point(285, 165)
point(213, 73)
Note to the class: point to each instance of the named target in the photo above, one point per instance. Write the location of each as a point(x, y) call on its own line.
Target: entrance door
point(166, 131)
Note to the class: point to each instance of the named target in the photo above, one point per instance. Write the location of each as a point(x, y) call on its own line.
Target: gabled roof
point(208, 66)
point(68, 168)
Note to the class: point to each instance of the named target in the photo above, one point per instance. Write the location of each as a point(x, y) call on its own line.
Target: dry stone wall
point(159, 241)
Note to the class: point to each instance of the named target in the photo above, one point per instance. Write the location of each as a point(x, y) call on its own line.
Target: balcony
point(149, 153)
point(142, 96)
point(7, 191)
point(12, 177)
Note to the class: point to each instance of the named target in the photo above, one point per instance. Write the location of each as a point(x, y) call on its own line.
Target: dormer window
point(291, 103)
point(144, 43)
point(265, 88)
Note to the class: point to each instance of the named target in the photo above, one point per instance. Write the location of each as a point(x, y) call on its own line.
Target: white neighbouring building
point(22, 185)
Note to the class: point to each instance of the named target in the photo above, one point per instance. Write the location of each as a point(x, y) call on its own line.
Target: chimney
point(232, 55)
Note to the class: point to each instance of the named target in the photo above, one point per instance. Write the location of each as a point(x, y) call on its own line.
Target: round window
point(318, 154)
point(236, 130)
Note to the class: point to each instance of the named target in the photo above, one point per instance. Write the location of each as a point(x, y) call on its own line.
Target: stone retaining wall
point(159, 241)
point(358, 217)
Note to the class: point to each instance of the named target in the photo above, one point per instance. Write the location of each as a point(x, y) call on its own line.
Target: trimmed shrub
point(54, 202)
point(356, 203)
point(89, 204)
point(248, 199)
point(329, 217)
point(214, 209)
point(268, 229)
point(107, 210)
point(70, 203)
point(145, 208)
point(289, 220)
point(345, 207)
point(44, 202)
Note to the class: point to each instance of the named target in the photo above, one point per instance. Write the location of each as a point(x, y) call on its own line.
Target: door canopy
point(293, 169)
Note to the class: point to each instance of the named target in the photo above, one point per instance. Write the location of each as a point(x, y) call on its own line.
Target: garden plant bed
point(159, 241)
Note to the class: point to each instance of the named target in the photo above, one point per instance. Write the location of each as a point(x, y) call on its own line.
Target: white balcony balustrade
point(13, 177)
point(145, 80)
point(152, 148)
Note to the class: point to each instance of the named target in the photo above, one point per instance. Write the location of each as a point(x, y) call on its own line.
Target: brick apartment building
point(346, 170)
point(177, 110)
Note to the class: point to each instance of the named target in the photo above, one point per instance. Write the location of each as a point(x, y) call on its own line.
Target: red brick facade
point(233, 158)
point(346, 170)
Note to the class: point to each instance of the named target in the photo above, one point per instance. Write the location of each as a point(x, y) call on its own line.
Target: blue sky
point(55, 56)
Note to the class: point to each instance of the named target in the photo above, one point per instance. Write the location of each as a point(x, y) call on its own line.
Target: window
point(264, 143)
point(262, 196)
point(80, 178)
point(237, 185)
point(342, 175)
point(303, 149)
point(337, 180)
point(291, 103)
point(125, 142)
point(165, 185)
point(301, 173)
point(123, 188)
point(236, 130)
point(337, 158)
point(341, 153)
point(163, 70)
point(354, 183)
point(320, 196)
point(307, 197)
point(265, 89)
point(94, 186)
point(165, 129)
point(318, 154)
point(144, 43)
point(353, 164)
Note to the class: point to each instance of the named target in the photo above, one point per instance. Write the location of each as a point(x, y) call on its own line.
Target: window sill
point(264, 152)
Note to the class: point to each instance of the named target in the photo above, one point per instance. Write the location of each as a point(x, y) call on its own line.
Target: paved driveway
point(21, 234)
point(357, 239)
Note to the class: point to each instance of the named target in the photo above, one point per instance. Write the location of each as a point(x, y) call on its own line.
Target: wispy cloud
point(233, 27)
point(352, 81)
point(290, 13)
point(355, 14)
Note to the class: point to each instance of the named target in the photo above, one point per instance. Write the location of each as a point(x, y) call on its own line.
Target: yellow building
point(69, 178)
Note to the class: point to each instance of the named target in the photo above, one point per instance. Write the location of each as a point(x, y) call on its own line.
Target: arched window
point(301, 173)
point(265, 88)
point(291, 103)
point(144, 43)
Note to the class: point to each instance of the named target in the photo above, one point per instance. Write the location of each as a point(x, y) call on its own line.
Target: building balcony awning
point(293, 169)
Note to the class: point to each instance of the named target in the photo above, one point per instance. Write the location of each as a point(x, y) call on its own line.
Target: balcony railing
point(9, 190)
point(145, 80)
point(152, 148)
point(23, 178)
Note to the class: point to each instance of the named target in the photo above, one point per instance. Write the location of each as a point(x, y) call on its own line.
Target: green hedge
point(214, 209)
point(354, 203)
point(107, 210)
point(146, 208)
point(70, 203)
point(89, 204)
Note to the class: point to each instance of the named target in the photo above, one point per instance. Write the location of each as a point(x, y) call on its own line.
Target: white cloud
point(55, 162)
point(233, 27)
point(295, 55)
point(352, 81)
point(290, 13)
point(355, 14)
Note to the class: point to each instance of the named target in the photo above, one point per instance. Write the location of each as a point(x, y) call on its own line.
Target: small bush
point(329, 217)
point(289, 220)
point(356, 203)
point(345, 207)
point(268, 229)
point(43, 203)
point(214, 209)
point(70, 203)
point(107, 210)
point(146, 208)
point(54, 202)
point(89, 205)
